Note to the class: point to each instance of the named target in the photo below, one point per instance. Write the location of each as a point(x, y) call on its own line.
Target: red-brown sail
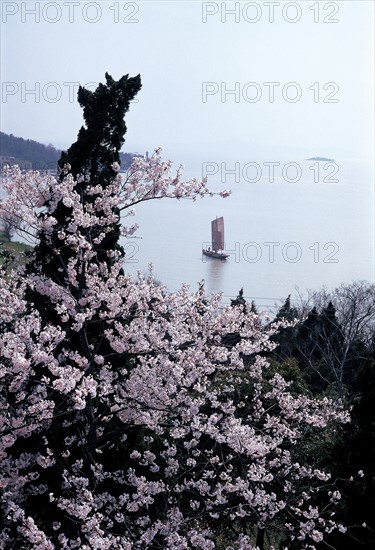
point(217, 240)
point(217, 232)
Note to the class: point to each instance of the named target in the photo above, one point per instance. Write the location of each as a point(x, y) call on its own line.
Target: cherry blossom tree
point(128, 419)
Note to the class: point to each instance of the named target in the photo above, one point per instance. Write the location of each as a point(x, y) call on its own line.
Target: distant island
point(32, 155)
point(324, 159)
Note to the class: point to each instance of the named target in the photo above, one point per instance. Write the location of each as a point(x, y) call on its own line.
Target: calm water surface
point(279, 235)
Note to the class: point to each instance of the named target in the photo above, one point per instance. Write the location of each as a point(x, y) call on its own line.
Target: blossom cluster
point(128, 416)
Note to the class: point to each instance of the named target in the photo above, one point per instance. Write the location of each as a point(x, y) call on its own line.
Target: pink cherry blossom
point(124, 414)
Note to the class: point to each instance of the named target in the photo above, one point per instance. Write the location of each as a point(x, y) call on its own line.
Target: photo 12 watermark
point(47, 92)
point(269, 92)
point(275, 251)
point(311, 171)
point(131, 249)
point(270, 12)
point(253, 252)
point(69, 12)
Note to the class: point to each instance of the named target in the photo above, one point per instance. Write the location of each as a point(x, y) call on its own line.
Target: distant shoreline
point(324, 159)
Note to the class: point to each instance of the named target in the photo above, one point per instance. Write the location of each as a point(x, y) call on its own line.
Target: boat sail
point(217, 240)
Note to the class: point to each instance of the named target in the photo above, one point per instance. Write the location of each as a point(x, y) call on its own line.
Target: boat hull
point(213, 254)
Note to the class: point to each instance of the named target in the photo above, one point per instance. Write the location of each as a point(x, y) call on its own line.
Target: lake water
point(279, 235)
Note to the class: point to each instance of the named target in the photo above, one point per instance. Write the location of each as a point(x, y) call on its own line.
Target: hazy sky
point(190, 55)
point(229, 82)
point(319, 55)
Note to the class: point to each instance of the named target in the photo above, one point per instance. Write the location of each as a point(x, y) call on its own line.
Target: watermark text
point(48, 92)
point(271, 12)
point(272, 172)
point(274, 251)
point(269, 92)
point(69, 12)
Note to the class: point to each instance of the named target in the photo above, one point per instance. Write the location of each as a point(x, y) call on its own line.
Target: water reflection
point(214, 273)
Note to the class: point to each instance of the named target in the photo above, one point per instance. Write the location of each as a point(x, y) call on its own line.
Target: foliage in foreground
point(128, 419)
point(330, 350)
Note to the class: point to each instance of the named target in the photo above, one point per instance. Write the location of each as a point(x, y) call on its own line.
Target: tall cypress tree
point(90, 160)
point(89, 163)
point(286, 337)
point(239, 301)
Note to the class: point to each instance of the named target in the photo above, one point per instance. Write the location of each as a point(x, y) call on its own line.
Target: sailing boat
point(217, 240)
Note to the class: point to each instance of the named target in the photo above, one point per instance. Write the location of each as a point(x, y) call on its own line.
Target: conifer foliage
point(125, 420)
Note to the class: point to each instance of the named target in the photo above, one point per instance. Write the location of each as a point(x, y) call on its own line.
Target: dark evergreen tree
point(287, 312)
point(90, 160)
point(355, 452)
point(98, 145)
point(320, 350)
point(330, 327)
point(233, 338)
point(308, 328)
point(239, 301)
point(286, 337)
point(91, 163)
